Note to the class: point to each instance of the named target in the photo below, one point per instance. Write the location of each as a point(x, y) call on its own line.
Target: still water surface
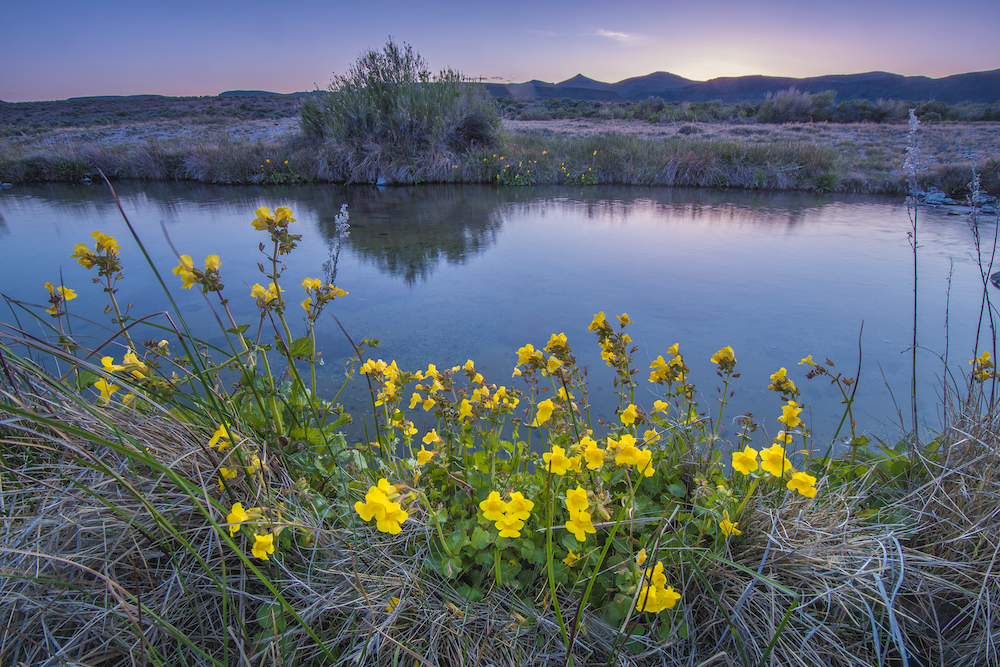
point(449, 273)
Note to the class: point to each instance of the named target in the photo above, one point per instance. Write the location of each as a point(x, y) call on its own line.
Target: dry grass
point(845, 158)
point(110, 559)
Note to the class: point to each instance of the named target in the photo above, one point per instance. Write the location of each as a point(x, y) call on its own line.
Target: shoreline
point(823, 157)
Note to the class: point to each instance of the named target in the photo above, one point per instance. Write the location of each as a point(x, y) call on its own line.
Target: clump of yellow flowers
point(380, 505)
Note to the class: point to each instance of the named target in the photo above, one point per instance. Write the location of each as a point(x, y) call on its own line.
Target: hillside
point(976, 87)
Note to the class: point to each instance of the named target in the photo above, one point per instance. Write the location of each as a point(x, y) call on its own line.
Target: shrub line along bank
point(518, 159)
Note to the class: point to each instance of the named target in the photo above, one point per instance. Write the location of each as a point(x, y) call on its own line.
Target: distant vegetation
point(787, 106)
point(388, 120)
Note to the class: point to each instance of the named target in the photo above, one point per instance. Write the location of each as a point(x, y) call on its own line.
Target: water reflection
point(442, 274)
point(406, 232)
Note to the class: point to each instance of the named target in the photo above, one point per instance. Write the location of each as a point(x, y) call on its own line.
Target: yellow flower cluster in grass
point(654, 594)
point(263, 542)
point(580, 523)
point(380, 505)
point(509, 516)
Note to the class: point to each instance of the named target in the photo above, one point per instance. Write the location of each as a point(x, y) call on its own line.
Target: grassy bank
point(820, 157)
point(166, 500)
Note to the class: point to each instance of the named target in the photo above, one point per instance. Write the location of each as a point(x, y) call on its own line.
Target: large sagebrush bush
point(389, 99)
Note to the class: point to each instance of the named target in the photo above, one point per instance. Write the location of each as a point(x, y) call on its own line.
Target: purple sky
point(58, 49)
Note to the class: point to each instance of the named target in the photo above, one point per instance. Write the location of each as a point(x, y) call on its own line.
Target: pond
point(442, 274)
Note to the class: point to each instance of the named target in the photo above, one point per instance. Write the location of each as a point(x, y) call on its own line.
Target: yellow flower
point(571, 558)
point(84, 255)
point(745, 461)
point(556, 341)
point(493, 507)
point(519, 507)
point(227, 473)
point(132, 363)
point(640, 557)
point(263, 545)
point(650, 436)
point(307, 304)
point(394, 516)
point(809, 360)
point(598, 323)
point(782, 384)
point(465, 409)
point(576, 500)
point(236, 517)
point(803, 483)
point(624, 320)
point(556, 461)
point(394, 602)
point(661, 406)
point(423, 456)
point(106, 389)
point(783, 438)
point(544, 412)
point(110, 366)
point(628, 415)
point(628, 453)
point(105, 242)
point(592, 454)
point(509, 526)
point(654, 594)
point(580, 525)
point(790, 414)
point(185, 269)
point(729, 528)
point(725, 357)
point(220, 437)
point(551, 366)
point(773, 460)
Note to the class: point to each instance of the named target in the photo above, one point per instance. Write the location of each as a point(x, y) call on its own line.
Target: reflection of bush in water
point(404, 232)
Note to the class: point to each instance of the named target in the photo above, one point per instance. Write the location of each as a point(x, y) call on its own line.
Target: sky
point(55, 49)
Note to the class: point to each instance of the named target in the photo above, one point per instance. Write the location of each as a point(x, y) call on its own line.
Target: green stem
point(118, 314)
point(275, 412)
point(549, 566)
point(722, 405)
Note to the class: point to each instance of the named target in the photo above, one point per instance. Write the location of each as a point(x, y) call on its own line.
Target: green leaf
point(85, 378)
point(457, 540)
point(677, 490)
point(451, 567)
point(480, 539)
point(270, 617)
point(238, 330)
point(302, 348)
point(570, 542)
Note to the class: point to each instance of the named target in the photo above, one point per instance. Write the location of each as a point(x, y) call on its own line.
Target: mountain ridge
point(976, 87)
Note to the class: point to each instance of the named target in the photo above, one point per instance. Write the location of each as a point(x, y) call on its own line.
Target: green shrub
point(793, 106)
point(389, 98)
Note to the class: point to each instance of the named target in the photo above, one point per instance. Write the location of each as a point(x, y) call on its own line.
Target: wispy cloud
point(617, 36)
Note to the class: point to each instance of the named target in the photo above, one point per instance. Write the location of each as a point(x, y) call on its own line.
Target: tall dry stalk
point(910, 167)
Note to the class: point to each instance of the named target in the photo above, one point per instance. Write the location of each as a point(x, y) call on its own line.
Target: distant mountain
point(113, 97)
point(981, 87)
